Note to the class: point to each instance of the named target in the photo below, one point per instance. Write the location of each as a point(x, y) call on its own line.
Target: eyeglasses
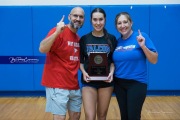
point(76, 16)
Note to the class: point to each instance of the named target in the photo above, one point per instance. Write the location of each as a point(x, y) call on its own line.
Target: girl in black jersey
point(96, 94)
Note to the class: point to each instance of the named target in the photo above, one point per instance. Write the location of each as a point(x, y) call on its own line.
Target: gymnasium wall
point(23, 27)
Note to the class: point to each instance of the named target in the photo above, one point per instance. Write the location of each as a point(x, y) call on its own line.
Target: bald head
point(77, 10)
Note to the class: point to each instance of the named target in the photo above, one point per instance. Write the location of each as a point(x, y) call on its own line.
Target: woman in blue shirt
point(130, 55)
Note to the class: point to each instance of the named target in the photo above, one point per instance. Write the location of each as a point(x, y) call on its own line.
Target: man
point(60, 76)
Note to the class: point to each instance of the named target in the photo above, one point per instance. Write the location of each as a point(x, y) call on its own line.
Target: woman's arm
point(85, 74)
point(150, 55)
point(110, 76)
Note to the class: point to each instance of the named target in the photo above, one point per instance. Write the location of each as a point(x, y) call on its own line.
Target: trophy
point(98, 66)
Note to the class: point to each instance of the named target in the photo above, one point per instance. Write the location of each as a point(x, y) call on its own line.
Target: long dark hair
point(100, 10)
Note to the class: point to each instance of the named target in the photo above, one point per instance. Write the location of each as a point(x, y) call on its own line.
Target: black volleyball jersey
point(90, 43)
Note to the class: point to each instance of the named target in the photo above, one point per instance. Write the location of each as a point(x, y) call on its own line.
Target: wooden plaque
point(98, 66)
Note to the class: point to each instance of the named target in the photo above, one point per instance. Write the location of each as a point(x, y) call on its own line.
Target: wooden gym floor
point(32, 108)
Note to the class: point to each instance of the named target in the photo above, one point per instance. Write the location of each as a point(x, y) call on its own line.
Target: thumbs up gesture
point(60, 25)
point(140, 39)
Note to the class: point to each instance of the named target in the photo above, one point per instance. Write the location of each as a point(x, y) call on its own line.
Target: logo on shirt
point(74, 58)
point(97, 48)
point(75, 45)
point(125, 48)
point(75, 50)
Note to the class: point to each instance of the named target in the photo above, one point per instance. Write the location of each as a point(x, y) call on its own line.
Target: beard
point(75, 26)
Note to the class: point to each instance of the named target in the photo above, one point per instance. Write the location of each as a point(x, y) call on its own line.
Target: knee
point(75, 116)
point(90, 117)
point(78, 116)
point(102, 116)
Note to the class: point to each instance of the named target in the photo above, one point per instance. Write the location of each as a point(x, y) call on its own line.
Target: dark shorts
point(97, 84)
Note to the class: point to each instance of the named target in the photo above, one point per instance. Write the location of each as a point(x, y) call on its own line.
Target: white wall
point(85, 2)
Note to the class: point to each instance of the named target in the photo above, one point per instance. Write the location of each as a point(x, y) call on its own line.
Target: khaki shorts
point(58, 101)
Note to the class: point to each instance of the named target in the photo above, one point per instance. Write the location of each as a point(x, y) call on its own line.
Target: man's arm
point(45, 45)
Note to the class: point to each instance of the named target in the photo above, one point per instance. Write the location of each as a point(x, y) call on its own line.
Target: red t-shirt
point(62, 61)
